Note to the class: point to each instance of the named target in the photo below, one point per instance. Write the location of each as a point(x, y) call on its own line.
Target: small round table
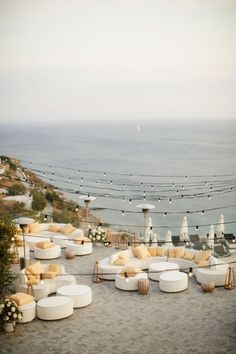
point(54, 308)
point(173, 282)
point(155, 269)
point(80, 294)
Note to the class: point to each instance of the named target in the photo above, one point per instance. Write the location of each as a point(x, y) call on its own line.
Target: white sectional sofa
point(44, 234)
point(216, 272)
point(48, 286)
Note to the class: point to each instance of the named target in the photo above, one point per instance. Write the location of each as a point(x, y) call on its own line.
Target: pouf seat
point(47, 253)
point(80, 294)
point(28, 312)
point(60, 240)
point(173, 281)
point(155, 269)
point(80, 250)
point(130, 283)
point(32, 240)
point(54, 308)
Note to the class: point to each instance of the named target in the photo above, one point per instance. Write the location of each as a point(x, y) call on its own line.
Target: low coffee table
point(155, 269)
point(80, 294)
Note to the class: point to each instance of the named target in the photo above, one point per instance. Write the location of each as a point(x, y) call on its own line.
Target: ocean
point(180, 167)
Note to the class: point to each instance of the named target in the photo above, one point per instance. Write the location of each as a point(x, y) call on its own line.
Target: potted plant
point(97, 235)
point(9, 314)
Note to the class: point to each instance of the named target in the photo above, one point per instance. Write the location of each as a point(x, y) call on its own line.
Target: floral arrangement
point(9, 311)
point(97, 235)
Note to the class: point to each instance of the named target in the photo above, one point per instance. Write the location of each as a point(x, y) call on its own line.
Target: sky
point(117, 59)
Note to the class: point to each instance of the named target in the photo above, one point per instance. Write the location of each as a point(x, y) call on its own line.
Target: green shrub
point(17, 189)
point(7, 232)
point(39, 201)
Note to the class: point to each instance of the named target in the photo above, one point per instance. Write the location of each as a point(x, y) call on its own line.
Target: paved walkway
point(126, 322)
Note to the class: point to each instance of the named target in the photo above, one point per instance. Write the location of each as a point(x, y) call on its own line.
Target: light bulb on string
point(45, 217)
point(173, 185)
point(190, 273)
point(77, 208)
point(209, 197)
point(205, 183)
point(30, 164)
point(111, 182)
point(144, 198)
point(196, 227)
point(152, 186)
point(159, 200)
point(170, 200)
point(81, 178)
point(126, 277)
point(177, 191)
point(186, 178)
point(141, 184)
point(202, 212)
point(104, 174)
point(183, 187)
point(130, 201)
point(80, 187)
point(165, 213)
point(123, 199)
point(123, 212)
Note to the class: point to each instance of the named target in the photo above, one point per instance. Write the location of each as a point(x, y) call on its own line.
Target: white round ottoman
point(80, 294)
point(155, 269)
point(173, 281)
point(130, 283)
point(47, 253)
point(28, 312)
point(60, 240)
point(80, 250)
point(32, 240)
point(54, 308)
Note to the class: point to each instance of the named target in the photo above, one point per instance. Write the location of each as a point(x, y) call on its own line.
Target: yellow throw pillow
point(67, 229)
point(160, 251)
point(120, 261)
point(171, 252)
point(188, 256)
point(54, 228)
point(32, 279)
point(21, 298)
point(36, 268)
point(141, 252)
point(45, 244)
point(49, 275)
point(35, 227)
point(152, 251)
point(54, 267)
point(202, 256)
point(130, 271)
point(179, 252)
point(204, 264)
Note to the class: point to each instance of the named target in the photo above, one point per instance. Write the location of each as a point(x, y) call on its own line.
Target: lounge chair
point(230, 240)
point(198, 244)
point(177, 242)
point(221, 251)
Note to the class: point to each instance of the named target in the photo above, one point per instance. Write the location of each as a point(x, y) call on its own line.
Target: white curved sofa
point(45, 233)
point(48, 286)
point(79, 249)
point(216, 272)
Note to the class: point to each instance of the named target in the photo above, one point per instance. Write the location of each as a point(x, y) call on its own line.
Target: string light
point(190, 274)
point(170, 201)
point(126, 277)
point(123, 213)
